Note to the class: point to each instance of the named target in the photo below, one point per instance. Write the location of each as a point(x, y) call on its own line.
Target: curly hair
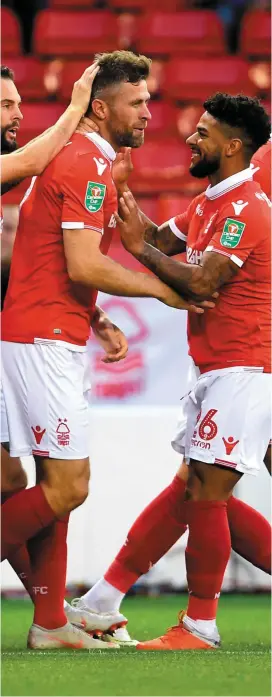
point(117, 67)
point(7, 73)
point(243, 113)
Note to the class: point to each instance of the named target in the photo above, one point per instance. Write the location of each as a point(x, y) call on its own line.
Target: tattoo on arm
point(162, 238)
point(189, 279)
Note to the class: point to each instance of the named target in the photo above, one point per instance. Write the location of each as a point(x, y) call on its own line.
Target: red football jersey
point(231, 218)
point(261, 163)
point(75, 191)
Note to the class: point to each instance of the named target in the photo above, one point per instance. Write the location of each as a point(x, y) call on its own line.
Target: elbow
point(202, 288)
point(75, 273)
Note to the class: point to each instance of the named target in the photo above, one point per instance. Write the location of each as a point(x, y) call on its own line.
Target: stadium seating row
point(164, 34)
point(182, 79)
point(122, 5)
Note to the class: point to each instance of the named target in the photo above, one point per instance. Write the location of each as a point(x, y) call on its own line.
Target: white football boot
point(121, 637)
point(66, 637)
point(110, 626)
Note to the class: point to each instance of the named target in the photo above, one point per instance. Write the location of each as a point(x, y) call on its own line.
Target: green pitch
point(241, 667)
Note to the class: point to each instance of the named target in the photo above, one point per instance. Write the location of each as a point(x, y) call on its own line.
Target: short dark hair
point(244, 113)
point(7, 73)
point(117, 67)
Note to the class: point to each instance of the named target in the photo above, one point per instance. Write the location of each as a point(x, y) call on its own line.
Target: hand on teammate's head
point(83, 87)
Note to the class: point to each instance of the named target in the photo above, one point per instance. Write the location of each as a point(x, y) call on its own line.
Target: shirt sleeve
point(180, 223)
point(235, 237)
point(83, 197)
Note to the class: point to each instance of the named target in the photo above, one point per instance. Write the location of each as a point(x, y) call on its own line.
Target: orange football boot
point(177, 638)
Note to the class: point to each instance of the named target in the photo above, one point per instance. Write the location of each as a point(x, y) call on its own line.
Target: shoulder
point(263, 155)
point(246, 203)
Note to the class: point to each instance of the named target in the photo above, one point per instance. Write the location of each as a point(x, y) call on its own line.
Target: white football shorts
point(45, 401)
point(225, 419)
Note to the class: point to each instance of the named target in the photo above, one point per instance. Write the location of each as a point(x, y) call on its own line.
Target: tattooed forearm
point(162, 238)
point(188, 279)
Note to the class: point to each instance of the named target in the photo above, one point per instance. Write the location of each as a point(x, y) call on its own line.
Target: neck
point(104, 132)
point(227, 169)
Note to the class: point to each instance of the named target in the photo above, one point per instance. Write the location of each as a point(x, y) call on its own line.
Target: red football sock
point(250, 534)
point(48, 554)
point(156, 529)
point(19, 559)
point(207, 555)
point(23, 516)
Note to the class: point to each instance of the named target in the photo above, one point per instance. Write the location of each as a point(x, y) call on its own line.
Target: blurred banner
point(155, 369)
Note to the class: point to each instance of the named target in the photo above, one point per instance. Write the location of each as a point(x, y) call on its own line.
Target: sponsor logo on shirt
point(239, 206)
point(199, 210)
point(94, 197)
point(232, 233)
point(193, 256)
point(112, 222)
point(210, 222)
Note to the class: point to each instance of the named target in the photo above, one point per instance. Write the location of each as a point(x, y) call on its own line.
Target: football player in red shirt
point(59, 261)
point(231, 347)
point(224, 431)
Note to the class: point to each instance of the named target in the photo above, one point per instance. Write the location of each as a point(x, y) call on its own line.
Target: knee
point(13, 476)
point(79, 491)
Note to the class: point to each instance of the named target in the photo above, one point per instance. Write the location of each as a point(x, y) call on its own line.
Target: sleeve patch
point(232, 233)
point(94, 197)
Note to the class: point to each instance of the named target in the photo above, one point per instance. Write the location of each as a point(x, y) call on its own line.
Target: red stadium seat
point(194, 79)
point(71, 4)
point(159, 5)
point(37, 118)
point(72, 70)
point(10, 33)
point(169, 206)
point(255, 40)
point(74, 33)
point(29, 76)
point(160, 166)
point(180, 33)
point(164, 120)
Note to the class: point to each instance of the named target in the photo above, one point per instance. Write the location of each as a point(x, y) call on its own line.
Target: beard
point(6, 145)
point(128, 139)
point(204, 168)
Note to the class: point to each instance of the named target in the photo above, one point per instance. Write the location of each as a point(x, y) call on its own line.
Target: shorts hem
point(213, 460)
point(69, 456)
point(178, 448)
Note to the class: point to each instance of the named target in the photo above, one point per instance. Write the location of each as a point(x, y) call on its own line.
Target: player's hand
point(87, 125)
point(168, 296)
point(131, 224)
point(110, 337)
point(121, 169)
point(82, 88)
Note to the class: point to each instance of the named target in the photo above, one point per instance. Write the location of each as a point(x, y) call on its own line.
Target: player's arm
point(218, 264)
point(88, 266)
point(32, 159)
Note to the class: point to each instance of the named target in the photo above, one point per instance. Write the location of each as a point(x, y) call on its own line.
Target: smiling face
point(126, 113)
point(10, 115)
point(207, 145)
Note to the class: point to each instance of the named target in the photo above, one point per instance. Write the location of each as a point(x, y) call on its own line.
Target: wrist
point(76, 110)
point(121, 188)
